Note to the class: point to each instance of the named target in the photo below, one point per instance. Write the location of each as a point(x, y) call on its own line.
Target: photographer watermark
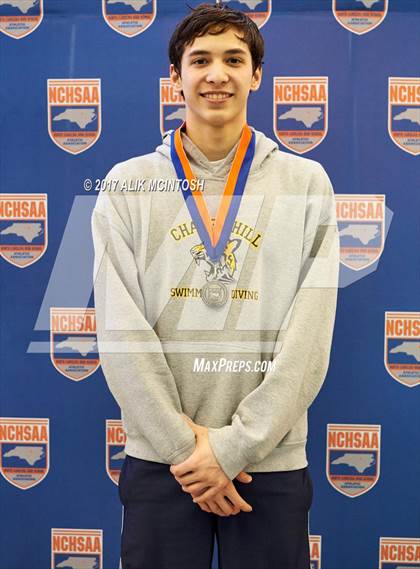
point(143, 185)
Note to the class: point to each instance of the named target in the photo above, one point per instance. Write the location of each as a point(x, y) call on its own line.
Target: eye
point(236, 60)
point(198, 61)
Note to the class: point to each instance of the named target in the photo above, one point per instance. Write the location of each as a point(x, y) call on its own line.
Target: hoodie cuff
point(185, 451)
point(225, 445)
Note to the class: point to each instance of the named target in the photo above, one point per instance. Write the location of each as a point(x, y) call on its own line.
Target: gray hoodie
point(248, 370)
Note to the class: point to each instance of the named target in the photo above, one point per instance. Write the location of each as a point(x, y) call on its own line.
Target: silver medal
point(214, 294)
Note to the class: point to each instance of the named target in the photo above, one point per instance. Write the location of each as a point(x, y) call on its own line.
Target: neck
point(214, 142)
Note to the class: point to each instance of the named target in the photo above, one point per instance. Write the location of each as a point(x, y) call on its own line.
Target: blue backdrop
point(99, 65)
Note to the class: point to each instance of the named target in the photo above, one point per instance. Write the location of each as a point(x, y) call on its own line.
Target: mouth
point(216, 97)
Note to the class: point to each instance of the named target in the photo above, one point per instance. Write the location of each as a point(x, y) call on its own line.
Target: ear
point(175, 77)
point(256, 79)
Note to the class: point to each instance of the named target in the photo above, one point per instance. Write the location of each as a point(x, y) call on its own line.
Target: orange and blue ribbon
point(215, 237)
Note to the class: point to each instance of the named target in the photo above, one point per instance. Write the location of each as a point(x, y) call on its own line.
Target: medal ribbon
point(215, 237)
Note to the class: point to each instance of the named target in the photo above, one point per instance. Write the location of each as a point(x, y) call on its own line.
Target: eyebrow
point(235, 51)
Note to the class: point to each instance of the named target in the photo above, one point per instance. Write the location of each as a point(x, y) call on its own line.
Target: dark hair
point(215, 19)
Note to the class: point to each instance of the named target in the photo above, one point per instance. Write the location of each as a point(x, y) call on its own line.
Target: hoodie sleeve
point(131, 355)
point(266, 415)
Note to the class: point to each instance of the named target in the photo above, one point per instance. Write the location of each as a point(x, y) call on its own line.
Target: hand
point(201, 469)
point(228, 502)
point(202, 477)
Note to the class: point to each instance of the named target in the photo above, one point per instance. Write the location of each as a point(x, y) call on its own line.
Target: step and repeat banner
point(84, 85)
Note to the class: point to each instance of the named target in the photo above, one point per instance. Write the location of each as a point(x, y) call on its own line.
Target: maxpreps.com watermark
point(219, 365)
point(143, 185)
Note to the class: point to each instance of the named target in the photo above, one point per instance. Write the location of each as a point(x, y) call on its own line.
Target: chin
point(218, 123)
point(217, 118)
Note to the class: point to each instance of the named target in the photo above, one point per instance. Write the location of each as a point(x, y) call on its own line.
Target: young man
point(195, 291)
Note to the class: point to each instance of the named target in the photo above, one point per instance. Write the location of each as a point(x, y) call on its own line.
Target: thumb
point(190, 423)
point(187, 419)
point(196, 428)
point(243, 477)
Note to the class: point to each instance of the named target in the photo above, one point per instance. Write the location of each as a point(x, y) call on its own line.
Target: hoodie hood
point(219, 169)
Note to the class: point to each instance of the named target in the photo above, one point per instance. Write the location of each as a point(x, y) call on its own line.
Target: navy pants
point(164, 529)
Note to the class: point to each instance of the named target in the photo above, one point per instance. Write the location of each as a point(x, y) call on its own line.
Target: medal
point(215, 237)
point(214, 294)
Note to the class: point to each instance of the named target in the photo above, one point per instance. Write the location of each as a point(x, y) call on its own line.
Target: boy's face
point(226, 68)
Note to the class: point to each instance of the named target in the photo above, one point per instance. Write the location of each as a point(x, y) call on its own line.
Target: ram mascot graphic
point(222, 270)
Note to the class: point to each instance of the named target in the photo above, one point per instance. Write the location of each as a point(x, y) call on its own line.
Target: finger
point(196, 428)
point(244, 477)
point(237, 500)
point(205, 507)
point(210, 494)
point(182, 469)
point(186, 418)
point(235, 509)
point(189, 478)
point(195, 489)
point(208, 506)
point(215, 508)
point(224, 505)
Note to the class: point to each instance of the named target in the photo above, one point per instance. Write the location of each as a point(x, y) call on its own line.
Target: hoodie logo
point(300, 112)
point(226, 268)
point(24, 451)
point(73, 347)
point(402, 347)
point(76, 548)
point(115, 444)
point(172, 106)
point(360, 16)
point(361, 225)
point(404, 113)
point(353, 458)
point(129, 17)
point(74, 113)
point(221, 270)
point(19, 18)
point(23, 228)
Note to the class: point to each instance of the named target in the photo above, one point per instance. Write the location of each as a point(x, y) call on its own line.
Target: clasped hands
point(201, 476)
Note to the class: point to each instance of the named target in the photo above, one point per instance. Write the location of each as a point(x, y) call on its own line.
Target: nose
point(216, 73)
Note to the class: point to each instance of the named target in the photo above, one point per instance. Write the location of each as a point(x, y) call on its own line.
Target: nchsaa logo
point(24, 450)
point(73, 347)
point(402, 347)
point(258, 10)
point(172, 106)
point(77, 548)
point(360, 16)
point(115, 443)
point(19, 18)
point(404, 113)
point(23, 228)
point(300, 111)
point(315, 551)
point(353, 457)
point(399, 551)
point(129, 17)
point(74, 113)
point(361, 225)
